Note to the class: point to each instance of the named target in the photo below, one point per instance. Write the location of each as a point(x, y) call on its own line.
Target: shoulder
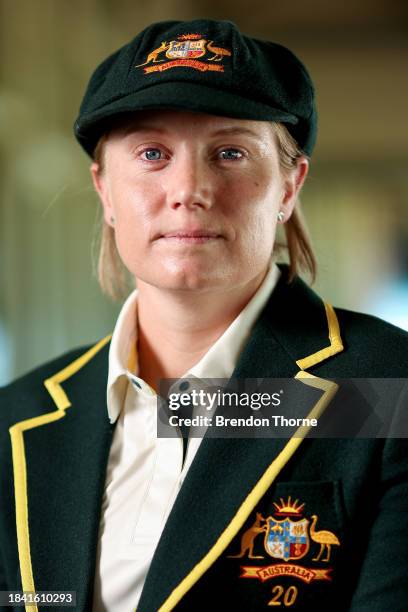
point(372, 332)
point(380, 348)
point(371, 328)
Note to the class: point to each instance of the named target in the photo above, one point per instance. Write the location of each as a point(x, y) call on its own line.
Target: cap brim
point(177, 96)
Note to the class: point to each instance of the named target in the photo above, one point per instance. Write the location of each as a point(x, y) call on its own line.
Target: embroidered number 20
point(281, 597)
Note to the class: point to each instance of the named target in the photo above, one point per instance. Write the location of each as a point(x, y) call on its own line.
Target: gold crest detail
point(288, 508)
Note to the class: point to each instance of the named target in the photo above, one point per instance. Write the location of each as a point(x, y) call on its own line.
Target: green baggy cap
point(204, 66)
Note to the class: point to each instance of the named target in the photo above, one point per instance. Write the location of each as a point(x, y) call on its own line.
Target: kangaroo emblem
point(248, 537)
point(152, 57)
point(218, 52)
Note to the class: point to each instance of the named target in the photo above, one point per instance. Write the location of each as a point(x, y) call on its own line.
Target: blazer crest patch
point(288, 537)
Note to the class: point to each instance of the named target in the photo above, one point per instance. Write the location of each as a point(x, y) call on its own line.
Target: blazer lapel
point(234, 474)
point(59, 473)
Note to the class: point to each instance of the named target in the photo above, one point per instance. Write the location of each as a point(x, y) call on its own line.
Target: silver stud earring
point(112, 220)
point(281, 216)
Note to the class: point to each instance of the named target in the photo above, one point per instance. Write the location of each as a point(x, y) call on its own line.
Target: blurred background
point(356, 199)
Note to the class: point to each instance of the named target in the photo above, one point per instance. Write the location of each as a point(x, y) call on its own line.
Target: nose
point(189, 183)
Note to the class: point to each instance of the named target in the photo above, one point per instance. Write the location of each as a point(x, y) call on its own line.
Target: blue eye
point(230, 154)
point(152, 154)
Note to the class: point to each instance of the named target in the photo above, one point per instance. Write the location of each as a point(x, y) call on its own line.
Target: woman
point(200, 139)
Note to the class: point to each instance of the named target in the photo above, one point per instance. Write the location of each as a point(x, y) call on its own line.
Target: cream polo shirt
point(145, 473)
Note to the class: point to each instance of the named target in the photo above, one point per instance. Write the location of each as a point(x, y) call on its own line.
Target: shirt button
point(184, 385)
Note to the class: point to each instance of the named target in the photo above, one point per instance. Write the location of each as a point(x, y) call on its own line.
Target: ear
point(101, 188)
point(292, 185)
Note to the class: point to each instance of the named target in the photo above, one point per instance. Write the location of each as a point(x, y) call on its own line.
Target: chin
point(191, 282)
point(186, 278)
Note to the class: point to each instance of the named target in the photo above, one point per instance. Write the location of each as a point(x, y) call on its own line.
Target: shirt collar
point(218, 362)
point(124, 339)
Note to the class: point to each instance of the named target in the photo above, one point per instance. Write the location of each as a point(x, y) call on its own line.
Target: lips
point(186, 233)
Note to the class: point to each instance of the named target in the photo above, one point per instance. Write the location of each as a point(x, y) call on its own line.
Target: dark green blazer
point(305, 523)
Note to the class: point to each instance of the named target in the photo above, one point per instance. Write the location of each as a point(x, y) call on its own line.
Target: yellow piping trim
point(20, 466)
point(20, 492)
point(336, 345)
point(53, 384)
point(257, 492)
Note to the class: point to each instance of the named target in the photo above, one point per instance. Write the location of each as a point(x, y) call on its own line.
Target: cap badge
point(184, 52)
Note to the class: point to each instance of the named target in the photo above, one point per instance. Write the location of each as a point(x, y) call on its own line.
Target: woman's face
point(194, 198)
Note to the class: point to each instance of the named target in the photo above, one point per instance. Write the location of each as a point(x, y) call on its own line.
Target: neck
point(176, 329)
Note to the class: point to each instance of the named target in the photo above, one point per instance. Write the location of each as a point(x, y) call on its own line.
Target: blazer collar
point(296, 331)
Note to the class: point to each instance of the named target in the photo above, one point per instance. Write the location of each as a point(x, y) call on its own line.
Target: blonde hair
point(298, 242)
point(115, 280)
